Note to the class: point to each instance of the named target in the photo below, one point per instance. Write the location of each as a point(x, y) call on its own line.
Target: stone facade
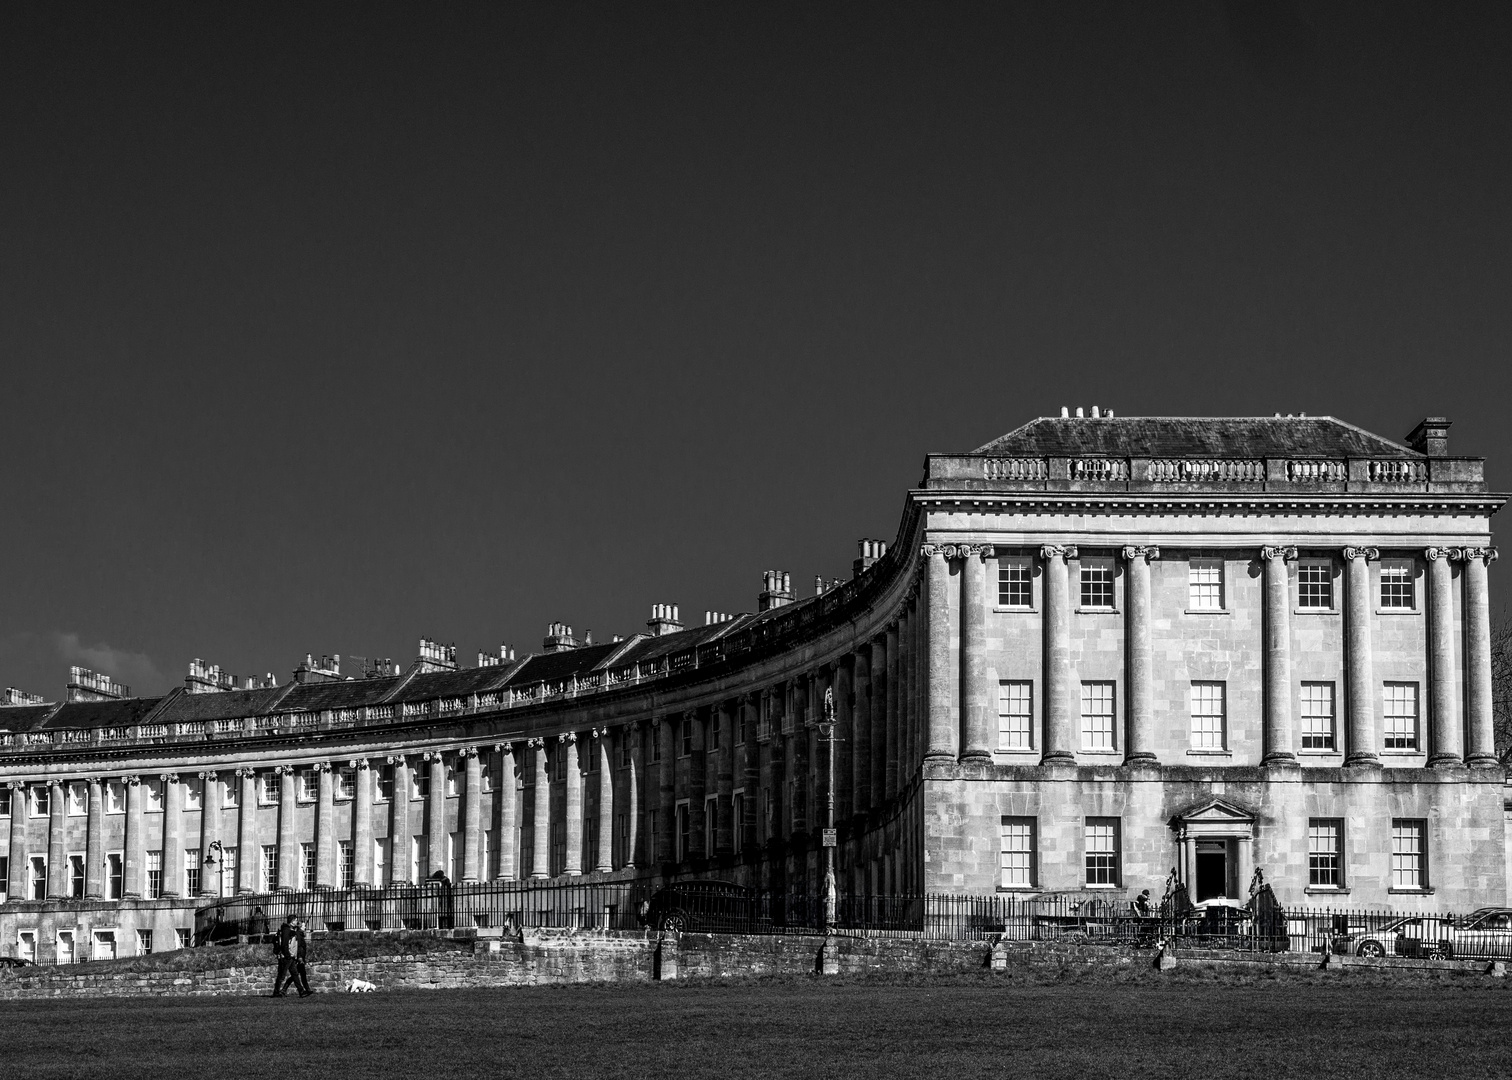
point(1100, 650)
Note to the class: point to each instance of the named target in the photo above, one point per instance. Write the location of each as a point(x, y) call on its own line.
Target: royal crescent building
point(1099, 650)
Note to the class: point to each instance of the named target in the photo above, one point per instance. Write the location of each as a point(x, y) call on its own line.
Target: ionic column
point(861, 754)
point(941, 672)
point(325, 827)
point(633, 809)
point(362, 825)
point(506, 793)
point(1141, 691)
point(698, 778)
point(1278, 680)
point(399, 822)
point(210, 827)
point(57, 857)
point(978, 737)
point(913, 672)
point(573, 863)
point(135, 857)
point(880, 697)
point(666, 774)
point(472, 815)
point(846, 743)
point(1060, 710)
point(1478, 699)
point(1361, 682)
point(288, 835)
point(16, 883)
point(173, 826)
point(891, 691)
point(94, 845)
point(1448, 742)
point(437, 834)
point(603, 744)
point(540, 866)
point(247, 848)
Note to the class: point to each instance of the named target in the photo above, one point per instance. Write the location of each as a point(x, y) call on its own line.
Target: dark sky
point(324, 327)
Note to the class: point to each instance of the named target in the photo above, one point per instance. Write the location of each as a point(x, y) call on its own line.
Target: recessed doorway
point(1212, 869)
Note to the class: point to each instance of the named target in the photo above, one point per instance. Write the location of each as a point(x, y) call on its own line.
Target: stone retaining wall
point(545, 957)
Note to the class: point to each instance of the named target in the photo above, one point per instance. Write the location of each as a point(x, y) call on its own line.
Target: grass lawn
point(1134, 1028)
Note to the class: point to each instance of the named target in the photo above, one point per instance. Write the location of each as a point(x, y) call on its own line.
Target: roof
point(221, 705)
point(24, 717)
point(99, 714)
point(1177, 437)
point(445, 684)
point(347, 694)
point(549, 667)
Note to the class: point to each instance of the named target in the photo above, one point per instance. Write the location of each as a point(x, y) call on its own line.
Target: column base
point(603, 869)
point(939, 755)
point(981, 757)
point(1367, 761)
point(1281, 759)
point(1144, 757)
point(1483, 761)
point(1445, 761)
point(1058, 757)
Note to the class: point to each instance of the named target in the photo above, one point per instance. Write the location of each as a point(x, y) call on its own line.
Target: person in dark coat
point(257, 926)
point(293, 945)
point(287, 948)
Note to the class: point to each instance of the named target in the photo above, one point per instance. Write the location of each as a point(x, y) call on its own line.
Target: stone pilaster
point(472, 815)
point(288, 831)
point(210, 830)
point(247, 845)
point(1448, 741)
point(1139, 683)
point(941, 672)
point(362, 824)
point(1279, 729)
point(94, 843)
point(1362, 691)
point(572, 864)
point(57, 850)
point(326, 872)
point(135, 850)
point(980, 729)
point(16, 880)
point(603, 749)
point(438, 836)
point(1480, 719)
point(1060, 707)
point(540, 854)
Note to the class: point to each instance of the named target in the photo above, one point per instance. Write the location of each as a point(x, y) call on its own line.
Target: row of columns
point(973, 736)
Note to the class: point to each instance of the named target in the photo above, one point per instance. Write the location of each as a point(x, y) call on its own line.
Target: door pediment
point(1215, 817)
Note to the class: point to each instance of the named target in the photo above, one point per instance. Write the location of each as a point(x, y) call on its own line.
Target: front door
point(1212, 870)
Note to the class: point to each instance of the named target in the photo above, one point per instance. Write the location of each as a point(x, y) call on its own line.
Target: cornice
point(1237, 503)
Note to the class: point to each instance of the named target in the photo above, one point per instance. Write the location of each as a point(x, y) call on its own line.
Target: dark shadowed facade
point(1099, 649)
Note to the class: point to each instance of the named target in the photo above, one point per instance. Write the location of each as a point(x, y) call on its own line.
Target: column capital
point(321, 766)
point(19, 785)
point(208, 774)
point(246, 771)
point(537, 744)
point(597, 733)
point(1434, 554)
point(569, 738)
point(1058, 551)
point(358, 763)
point(169, 777)
point(929, 551)
point(1285, 554)
point(1149, 553)
point(1369, 554)
point(632, 725)
point(1488, 555)
point(129, 781)
point(283, 770)
point(432, 755)
point(656, 720)
point(504, 747)
point(397, 759)
point(57, 782)
point(466, 752)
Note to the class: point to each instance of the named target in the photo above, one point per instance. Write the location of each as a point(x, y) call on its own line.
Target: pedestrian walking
point(287, 947)
point(295, 946)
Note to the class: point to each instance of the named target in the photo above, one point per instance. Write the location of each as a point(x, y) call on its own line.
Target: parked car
point(709, 906)
point(15, 962)
point(1422, 936)
point(1482, 935)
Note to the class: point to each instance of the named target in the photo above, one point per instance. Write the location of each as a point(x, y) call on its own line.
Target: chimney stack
point(776, 590)
point(663, 620)
point(206, 678)
point(1431, 437)
point(506, 656)
point(871, 551)
point(14, 697)
point(86, 685)
point(327, 669)
point(559, 638)
point(714, 618)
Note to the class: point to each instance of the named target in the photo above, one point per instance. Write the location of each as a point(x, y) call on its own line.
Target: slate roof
point(24, 717)
point(440, 684)
point(98, 714)
point(548, 667)
point(347, 694)
point(222, 705)
point(1179, 437)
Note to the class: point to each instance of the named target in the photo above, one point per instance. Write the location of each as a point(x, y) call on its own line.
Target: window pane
point(1317, 716)
point(1097, 585)
point(1323, 852)
point(1205, 585)
point(1101, 841)
point(1018, 852)
point(1396, 585)
point(1207, 716)
point(1400, 708)
point(1406, 854)
point(1315, 584)
point(1097, 715)
point(1015, 716)
point(1014, 588)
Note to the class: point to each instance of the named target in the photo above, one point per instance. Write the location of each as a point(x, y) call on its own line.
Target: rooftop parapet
point(86, 685)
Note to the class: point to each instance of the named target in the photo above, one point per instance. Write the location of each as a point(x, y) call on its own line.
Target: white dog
point(360, 986)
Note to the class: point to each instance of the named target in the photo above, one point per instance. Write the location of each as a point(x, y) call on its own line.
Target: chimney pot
point(1431, 436)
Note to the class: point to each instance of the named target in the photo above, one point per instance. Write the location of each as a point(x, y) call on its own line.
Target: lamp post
point(215, 855)
point(827, 736)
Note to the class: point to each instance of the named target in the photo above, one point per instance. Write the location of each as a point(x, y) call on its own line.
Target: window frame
point(1097, 564)
point(1111, 868)
point(1415, 743)
point(1007, 732)
point(1419, 830)
point(1303, 716)
point(1007, 586)
point(1195, 746)
point(1204, 563)
point(1314, 562)
point(1030, 853)
point(1318, 865)
point(1395, 565)
point(1112, 716)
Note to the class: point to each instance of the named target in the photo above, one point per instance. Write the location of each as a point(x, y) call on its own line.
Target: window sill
point(1097, 611)
point(1397, 611)
point(1101, 888)
point(1113, 753)
point(1210, 753)
point(1208, 611)
point(1021, 890)
point(1014, 609)
point(1401, 753)
point(1331, 752)
point(1327, 890)
point(1410, 892)
point(1315, 611)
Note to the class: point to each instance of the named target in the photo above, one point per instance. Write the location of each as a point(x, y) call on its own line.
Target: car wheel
point(1371, 949)
point(676, 922)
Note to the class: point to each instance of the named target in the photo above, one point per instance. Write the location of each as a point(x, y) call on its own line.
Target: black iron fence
point(718, 907)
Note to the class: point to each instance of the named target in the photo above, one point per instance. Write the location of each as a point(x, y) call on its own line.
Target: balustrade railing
point(1320, 471)
point(1398, 472)
point(1209, 470)
point(1015, 469)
